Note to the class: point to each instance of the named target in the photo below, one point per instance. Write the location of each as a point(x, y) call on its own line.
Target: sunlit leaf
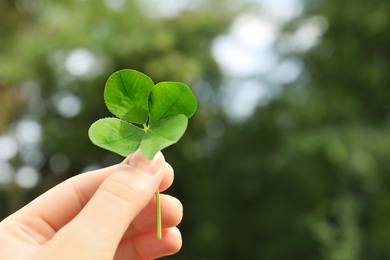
point(163, 133)
point(116, 135)
point(170, 99)
point(126, 95)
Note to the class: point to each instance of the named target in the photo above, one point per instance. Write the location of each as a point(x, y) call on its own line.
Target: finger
point(119, 199)
point(45, 215)
point(146, 246)
point(171, 215)
point(167, 181)
point(61, 204)
point(168, 178)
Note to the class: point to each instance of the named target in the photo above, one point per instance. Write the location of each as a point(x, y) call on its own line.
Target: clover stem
point(158, 209)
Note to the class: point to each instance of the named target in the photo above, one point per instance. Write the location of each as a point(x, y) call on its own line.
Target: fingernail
point(147, 166)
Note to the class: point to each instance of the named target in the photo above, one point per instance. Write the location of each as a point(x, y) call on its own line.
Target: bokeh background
point(288, 155)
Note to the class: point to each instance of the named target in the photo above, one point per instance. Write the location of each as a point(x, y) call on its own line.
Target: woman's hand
point(104, 214)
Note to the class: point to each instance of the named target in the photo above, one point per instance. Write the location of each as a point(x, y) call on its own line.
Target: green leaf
point(126, 95)
point(116, 135)
point(169, 99)
point(163, 134)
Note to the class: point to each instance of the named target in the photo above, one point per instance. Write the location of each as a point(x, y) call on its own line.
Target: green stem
point(158, 209)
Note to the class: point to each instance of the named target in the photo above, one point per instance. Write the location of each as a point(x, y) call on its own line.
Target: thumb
point(118, 200)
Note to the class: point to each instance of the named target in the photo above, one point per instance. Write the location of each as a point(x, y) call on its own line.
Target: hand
point(103, 214)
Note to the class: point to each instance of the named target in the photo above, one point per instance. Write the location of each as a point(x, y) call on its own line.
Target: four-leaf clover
point(150, 117)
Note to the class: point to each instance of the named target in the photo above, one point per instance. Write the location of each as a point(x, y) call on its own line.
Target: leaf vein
point(157, 133)
point(124, 84)
point(119, 139)
point(173, 104)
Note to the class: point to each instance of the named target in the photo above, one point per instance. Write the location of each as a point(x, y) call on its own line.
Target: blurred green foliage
point(305, 177)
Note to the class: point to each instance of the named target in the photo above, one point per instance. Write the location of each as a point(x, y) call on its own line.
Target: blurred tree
point(11, 105)
point(305, 177)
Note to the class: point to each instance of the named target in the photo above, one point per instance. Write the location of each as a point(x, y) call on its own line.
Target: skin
point(104, 214)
